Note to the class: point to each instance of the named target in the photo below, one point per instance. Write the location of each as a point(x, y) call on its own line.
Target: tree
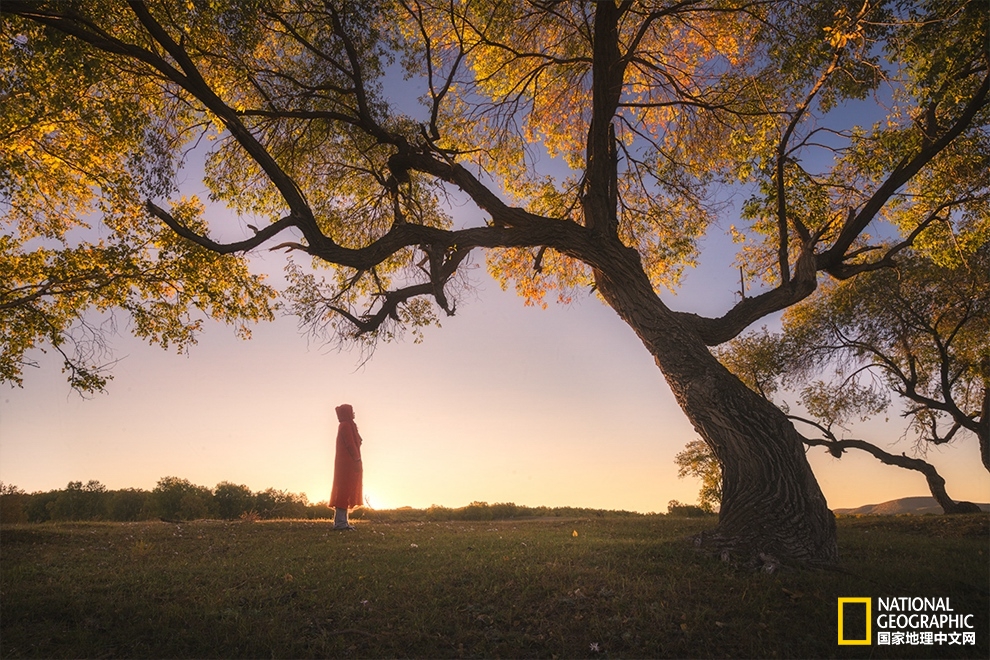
point(179, 499)
point(697, 460)
point(922, 329)
point(12, 501)
point(232, 500)
point(639, 108)
point(77, 153)
point(89, 501)
point(129, 504)
point(918, 331)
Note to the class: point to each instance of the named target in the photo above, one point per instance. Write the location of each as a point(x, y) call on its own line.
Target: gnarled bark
point(772, 507)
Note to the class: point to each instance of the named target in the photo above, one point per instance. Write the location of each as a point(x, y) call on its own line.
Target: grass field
point(595, 587)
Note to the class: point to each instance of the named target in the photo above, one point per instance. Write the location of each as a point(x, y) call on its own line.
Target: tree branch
point(197, 85)
point(189, 79)
point(259, 237)
point(936, 483)
point(714, 331)
point(902, 173)
point(600, 212)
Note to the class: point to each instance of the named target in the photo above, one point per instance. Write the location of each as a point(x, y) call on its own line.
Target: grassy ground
point(619, 587)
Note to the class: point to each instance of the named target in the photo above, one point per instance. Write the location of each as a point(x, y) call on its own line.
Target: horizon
point(927, 499)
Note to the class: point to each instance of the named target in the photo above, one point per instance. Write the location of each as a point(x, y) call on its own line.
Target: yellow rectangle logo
point(855, 621)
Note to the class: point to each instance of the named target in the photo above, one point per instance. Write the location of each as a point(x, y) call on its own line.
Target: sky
point(503, 403)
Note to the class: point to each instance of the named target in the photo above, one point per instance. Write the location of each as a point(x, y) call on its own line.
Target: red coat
point(348, 473)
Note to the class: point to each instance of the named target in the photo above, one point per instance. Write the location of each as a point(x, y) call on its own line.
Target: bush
point(678, 510)
point(178, 499)
point(232, 500)
point(129, 505)
point(273, 503)
point(323, 511)
point(12, 501)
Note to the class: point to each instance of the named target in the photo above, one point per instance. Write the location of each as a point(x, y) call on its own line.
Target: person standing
point(348, 472)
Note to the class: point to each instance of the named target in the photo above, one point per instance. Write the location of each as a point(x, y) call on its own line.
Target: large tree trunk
point(772, 507)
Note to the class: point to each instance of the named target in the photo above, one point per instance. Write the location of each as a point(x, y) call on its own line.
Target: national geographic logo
point(903, 620)
point(854, 621)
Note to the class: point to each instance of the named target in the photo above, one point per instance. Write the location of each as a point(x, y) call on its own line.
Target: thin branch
point(901, 174)
point(259, 237)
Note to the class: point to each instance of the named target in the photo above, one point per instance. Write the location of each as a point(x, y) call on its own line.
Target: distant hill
point(916, 505)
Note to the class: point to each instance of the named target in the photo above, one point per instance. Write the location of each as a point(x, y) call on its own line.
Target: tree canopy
point(592, 138)
point(917, 333)
point(697, 460)
point(104, 100)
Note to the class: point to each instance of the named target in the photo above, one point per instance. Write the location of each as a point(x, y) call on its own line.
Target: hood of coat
point(345, 413)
